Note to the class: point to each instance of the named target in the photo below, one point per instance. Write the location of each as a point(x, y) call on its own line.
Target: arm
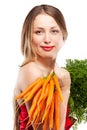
point(65, 81)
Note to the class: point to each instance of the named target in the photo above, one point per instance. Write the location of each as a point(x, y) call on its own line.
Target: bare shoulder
point(64, 77)
point(26, 75)
point(62, 72)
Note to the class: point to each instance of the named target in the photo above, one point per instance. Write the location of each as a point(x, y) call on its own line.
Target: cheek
point(59, 44)
point(36, 45)
point(36, 41)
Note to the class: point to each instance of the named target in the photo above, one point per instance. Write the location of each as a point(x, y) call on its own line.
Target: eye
point(38, 32)
point(55, 31)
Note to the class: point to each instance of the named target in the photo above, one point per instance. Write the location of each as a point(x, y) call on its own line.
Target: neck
point(45, 63)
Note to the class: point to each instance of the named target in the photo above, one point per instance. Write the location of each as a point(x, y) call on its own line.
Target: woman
point(44, 33)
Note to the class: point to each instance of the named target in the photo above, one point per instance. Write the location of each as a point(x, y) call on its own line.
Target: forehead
point(44, 20)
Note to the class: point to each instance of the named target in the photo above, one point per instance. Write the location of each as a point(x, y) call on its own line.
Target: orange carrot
point(45, 113)
point(45, 85)
point(37, 110)
point(30, 95)
point(29, 122)
point(45, 124)
point(58, 87)
point(41, 107)
point(51, 114)
point(50, 93)
point(28, 88)
point(56, 108)
point(34, 102)
point(39, 117)
point(46, 91)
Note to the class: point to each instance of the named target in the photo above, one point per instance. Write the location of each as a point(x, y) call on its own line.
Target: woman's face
point(47, 37)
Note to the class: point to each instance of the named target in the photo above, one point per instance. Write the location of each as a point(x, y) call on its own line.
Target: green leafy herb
point(78, 97)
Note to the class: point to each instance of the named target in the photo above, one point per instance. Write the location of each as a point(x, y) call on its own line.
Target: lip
point(47, 48)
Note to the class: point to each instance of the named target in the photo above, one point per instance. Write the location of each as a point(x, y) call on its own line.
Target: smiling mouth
point(47, 48)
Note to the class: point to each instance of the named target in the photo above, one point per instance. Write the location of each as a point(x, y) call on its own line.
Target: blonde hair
point(26, 35)
point(16, 114)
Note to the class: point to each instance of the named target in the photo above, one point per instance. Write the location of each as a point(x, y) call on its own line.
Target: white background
point(12, 15)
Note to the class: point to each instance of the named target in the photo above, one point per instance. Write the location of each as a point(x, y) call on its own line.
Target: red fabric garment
point(23, 118)
point(69, 120)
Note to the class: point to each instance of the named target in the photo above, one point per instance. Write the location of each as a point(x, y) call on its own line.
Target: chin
point(50, 56)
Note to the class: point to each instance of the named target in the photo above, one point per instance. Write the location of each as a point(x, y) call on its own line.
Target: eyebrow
point(51, 27)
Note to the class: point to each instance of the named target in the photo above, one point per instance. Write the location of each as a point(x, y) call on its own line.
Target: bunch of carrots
point(43, 94)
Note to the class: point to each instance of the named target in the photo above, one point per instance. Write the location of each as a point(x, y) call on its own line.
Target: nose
point(47, 38)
